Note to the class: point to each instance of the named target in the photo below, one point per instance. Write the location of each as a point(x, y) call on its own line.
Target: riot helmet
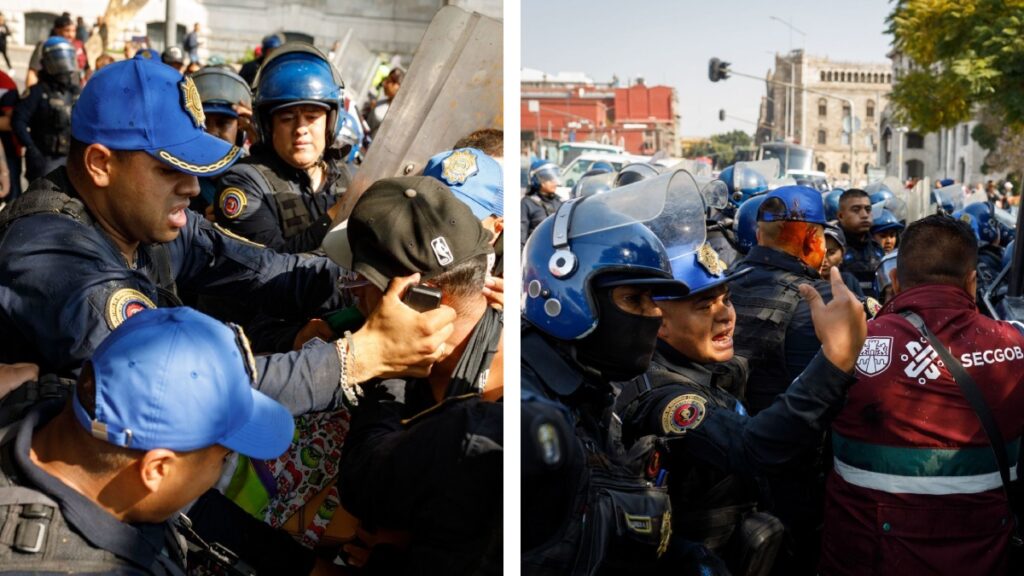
point(746, 224)
point(58, 57)
point(885, 220)
point(173, 56)
point(593, 182)
point(980, 218)
point(883, 278)
point(744, 182)
point(220, 89)
point(635, 172)
point(542, 171)
point(270, 42)
point(296, 73)
point(831, 200)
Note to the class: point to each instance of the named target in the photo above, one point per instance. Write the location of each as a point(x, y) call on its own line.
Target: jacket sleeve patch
point(232, 202)
point(125, 303)
point(683, 413)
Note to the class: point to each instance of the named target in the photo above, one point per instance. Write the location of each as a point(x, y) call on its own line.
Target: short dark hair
point(937, 249)
point(465, 279)
point(490, 141)
point(62, 21)
point(852, 194)
point(76, 155)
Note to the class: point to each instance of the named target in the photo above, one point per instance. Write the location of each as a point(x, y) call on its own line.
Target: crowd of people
point(780, 384)
point(201, 366)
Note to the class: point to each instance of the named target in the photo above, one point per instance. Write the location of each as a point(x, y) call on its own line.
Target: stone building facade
point(813, 114)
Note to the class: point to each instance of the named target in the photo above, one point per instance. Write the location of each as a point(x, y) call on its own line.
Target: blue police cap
point(142, 104)
point(177, 379)
point(793, 203)
point(473, 177)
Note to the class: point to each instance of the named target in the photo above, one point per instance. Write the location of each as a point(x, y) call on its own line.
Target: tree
point(721, 147)
point(966, 53)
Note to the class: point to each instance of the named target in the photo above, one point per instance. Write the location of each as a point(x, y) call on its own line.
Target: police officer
point(715, 451)
point(588, 278)
point(42, 120)
point(885, 230)
point(95, 483)
point(111, 235)
point(227, 105)
point(285, 195)
point(774, 331)
point(267, 45)
point(742, 184)
point(862, 252)
point(541, 200)
point(991, 235)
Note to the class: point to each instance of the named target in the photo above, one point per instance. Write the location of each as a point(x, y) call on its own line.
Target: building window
point(822, 137)
point(842, 76)
point(963, 170)
point(914, 141)
point(870, 111)
point(822, 107)
point(844, 168)
point(965, 138)
point(822, 75)
point(828, 76)
point(821, 166)
point(866, 166)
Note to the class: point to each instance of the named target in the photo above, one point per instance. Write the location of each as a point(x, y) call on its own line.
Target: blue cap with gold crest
point(793, 203)
point(474, 177)
point(699, 268)
point(141, 104)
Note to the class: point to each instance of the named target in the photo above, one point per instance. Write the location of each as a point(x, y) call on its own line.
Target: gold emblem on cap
point(458, 167)
point(191, 101)
point(708, 258)
point(965, 218)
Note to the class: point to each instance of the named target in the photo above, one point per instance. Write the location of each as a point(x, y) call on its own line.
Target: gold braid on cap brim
point(200, 169)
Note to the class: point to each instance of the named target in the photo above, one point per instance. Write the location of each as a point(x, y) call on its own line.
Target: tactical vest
point(45, 196)
point(619, 521)
point(763, 312)
point(54, 137)
point(34, 536)
point(708, 506)
point(293, 215)
point(862, 262)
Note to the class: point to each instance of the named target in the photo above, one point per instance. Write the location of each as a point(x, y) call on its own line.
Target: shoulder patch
point(234, 236)
point(125, 303)
point(232, 202)
point(547, 442)
point(683, 413)
point(875, 356)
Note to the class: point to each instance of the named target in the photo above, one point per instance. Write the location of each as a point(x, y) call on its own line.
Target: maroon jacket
point(915, 488)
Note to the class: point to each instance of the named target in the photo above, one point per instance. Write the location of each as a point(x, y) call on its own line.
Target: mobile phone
point(422, 297)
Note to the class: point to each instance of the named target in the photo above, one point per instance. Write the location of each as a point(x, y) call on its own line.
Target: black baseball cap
point(401, 226)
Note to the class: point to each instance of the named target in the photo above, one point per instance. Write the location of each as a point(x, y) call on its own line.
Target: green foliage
point(721, 147)
point(967, 52)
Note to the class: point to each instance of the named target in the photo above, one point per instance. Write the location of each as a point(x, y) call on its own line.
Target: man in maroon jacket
point(916, 488)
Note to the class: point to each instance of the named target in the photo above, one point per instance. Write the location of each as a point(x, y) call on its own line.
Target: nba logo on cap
point(442, 251)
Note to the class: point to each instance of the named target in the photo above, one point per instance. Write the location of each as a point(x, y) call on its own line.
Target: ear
point(155, 467)
point(98, 164)
point(499, 225)
point(971, 285)
point(895, 281)
point(757, 234)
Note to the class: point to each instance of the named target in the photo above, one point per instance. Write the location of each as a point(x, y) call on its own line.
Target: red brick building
point(571, 107)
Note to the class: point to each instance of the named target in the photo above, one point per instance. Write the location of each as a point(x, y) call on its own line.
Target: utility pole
point(170, 26)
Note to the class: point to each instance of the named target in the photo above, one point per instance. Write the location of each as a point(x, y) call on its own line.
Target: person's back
point(916, 488)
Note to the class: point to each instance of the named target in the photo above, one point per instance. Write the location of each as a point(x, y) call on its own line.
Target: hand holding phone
point(422, 297)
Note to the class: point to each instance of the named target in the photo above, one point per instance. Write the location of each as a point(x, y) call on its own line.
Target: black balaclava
point(621, 345)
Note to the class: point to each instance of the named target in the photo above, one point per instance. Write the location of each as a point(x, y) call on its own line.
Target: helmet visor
point(217, 88)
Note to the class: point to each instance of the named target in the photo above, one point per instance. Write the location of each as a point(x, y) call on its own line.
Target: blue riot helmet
point(58, 56)
point(603, 166)
point(296, 73)
point(831, 200)
point(980, 218)
point(635, 172)
point(883, 278)
point(746, 224)
point(269, 42)
point(593, 182)
point(604, 240)
point(885, 220)
point(349, 134)
point(793, 204)
point(542, 171)
point(743, 182)
point(947, 199)
point(220, 89)
point(882, 195)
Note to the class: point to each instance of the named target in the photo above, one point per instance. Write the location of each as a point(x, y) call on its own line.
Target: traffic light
point(717, 70)
point(721, 115)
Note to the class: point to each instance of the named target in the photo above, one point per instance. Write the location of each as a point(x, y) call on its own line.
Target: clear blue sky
point(670, 42)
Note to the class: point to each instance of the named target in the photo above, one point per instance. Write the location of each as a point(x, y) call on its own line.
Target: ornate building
point(814, 113)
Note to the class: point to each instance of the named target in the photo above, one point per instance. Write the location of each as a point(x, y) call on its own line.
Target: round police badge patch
point(125, 303)
point(683, 413)
point(232, 202)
